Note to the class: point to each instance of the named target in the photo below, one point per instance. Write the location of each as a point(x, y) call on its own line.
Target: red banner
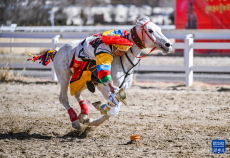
point(202, 14)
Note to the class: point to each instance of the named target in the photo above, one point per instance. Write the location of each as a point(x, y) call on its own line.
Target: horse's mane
point(142, 20)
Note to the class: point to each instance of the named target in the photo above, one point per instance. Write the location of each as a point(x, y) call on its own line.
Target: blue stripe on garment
point(117, 32)
point(103, 67)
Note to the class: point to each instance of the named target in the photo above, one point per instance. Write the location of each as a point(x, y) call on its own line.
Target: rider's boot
point(74, 119)
point(90, 86)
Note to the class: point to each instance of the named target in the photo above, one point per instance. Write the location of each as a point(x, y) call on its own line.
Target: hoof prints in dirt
point(79, 133)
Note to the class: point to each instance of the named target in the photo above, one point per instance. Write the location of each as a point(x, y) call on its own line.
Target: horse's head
point(146, 34)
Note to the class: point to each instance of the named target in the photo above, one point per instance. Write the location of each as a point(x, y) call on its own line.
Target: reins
point(127, 73)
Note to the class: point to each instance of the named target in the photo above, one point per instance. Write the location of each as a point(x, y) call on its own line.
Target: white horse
point(148, 35)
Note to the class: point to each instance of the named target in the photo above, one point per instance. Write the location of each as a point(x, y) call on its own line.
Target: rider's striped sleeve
point(103, 64)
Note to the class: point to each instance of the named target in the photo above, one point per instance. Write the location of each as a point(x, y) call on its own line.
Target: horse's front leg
point(105, 92)
point(83, 116)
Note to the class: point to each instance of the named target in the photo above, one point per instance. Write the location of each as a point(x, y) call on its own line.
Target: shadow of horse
point(23, 136)
point(223, 89)
point(80, 134)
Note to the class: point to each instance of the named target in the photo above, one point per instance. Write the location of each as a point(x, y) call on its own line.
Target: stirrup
point(90, 86)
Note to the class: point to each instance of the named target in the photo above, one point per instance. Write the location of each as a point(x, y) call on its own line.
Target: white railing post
point(11, 41)
point(55, 40)
point(188, 60)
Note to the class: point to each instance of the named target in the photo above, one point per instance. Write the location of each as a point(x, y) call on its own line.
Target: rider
point(98, 50)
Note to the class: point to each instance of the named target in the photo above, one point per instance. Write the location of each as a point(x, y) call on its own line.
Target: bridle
point(140, 43)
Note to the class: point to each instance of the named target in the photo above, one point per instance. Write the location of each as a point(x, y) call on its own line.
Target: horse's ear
point(141, 20)
point(135, 20)
point(138, 21)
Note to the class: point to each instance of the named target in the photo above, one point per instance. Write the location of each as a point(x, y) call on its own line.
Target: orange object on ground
point(135, 137)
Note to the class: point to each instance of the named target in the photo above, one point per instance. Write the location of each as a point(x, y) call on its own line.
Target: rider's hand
point(112, 87)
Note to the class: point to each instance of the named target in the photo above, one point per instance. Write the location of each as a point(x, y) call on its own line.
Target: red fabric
point(211, 14)
point(109, 40)
point(72, 115)
point(97, 35)
point(103, 73)
point(34, 58)
point(78, 67)
point(84, 107)
point(45, 58)
point(72, 61)
point(125, 32)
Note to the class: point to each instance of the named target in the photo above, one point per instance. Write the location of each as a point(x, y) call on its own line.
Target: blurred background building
point(84, 12)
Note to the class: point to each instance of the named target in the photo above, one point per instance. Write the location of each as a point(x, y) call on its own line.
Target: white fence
point(188, 45)
point(14, 28)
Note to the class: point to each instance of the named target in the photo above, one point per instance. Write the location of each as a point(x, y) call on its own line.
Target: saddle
point(85, 72)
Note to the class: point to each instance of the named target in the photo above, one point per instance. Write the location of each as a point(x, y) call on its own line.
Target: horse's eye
point(150, 31)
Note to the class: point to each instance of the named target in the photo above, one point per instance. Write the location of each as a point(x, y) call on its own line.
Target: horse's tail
point(45, 58)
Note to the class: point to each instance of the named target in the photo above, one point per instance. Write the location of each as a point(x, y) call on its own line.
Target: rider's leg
point(104, 90)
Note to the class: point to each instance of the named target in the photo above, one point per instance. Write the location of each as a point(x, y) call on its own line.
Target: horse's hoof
point(76, 124)
point(82, 117)
point(97, 105)
point(99, 121)
point(88, 121)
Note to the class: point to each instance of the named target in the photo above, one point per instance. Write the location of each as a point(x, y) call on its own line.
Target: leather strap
point(127, 73)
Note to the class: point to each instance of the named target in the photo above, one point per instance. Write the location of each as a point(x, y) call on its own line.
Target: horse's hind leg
point(64, 82)
point(63, 74)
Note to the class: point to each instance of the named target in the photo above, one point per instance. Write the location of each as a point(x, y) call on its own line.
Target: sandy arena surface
point(172, 120)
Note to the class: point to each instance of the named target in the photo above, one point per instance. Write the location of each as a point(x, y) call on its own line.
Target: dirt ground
point(172, 120)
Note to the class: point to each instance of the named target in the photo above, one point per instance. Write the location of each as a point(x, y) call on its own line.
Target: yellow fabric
point(108, 32)
point(76, 86)
point(104, 59)
point(122, 47)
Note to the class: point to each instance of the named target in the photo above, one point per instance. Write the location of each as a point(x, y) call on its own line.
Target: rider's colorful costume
point(92, 59)
point(96, 50)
